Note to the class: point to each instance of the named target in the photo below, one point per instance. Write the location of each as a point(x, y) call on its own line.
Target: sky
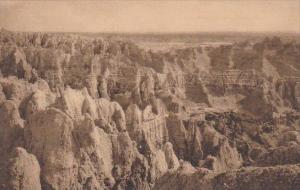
point(151, 16)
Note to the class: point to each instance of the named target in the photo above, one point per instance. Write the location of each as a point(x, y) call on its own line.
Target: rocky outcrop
point(281, 177)
point(79, 150)
point(195, 90)
point(186, 177)
point(279, 156)
point(15, 64)
point(202, 145)
point(11, 127)
point(22, 171)
point(185, 139)
point(171, 158)
point(39, 100)
point(48, 135)
point(88, 154)
point(81, 112)
point(11, 136)
point(277, 178)
point(2, 95)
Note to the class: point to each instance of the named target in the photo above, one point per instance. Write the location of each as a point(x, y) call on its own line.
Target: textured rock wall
point(89, 113)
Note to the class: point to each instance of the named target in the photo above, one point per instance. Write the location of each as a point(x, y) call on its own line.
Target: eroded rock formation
point(80, 112)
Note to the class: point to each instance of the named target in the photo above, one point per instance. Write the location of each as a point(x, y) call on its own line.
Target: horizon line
point(157, 32)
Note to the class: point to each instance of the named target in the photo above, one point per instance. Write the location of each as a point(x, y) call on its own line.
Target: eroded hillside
point(86, 113)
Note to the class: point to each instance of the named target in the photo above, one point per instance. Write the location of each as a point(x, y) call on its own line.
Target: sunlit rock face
point(202, 145)
point(22, 171)
point(11, 126)
point(79, 112)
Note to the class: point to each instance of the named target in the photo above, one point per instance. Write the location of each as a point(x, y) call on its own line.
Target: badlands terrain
point(80, 112)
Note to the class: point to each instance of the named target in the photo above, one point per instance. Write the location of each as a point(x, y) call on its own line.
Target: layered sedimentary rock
point(80, 112)
point(202, 145)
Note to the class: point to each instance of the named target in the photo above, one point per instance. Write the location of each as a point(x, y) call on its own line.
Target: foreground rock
point(22, 171)
point(258, 178)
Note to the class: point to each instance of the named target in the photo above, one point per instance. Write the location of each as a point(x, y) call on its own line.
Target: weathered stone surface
point(100, 113)
point(48, 135)
point(11, 126)
point(2, 95)
point(259, 178)
point(269, 178)
point(279, 156)
point(22, 171)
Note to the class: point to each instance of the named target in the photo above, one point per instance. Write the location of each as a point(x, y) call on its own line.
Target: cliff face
point(91, 113)
point(83, 143)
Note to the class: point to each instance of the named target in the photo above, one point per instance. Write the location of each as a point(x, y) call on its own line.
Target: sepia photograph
point(150, 95)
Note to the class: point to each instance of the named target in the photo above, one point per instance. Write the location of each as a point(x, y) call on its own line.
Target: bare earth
point(88, 112)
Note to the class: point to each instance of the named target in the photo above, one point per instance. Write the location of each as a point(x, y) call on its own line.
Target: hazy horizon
point(161, 33)
point(152, 17)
